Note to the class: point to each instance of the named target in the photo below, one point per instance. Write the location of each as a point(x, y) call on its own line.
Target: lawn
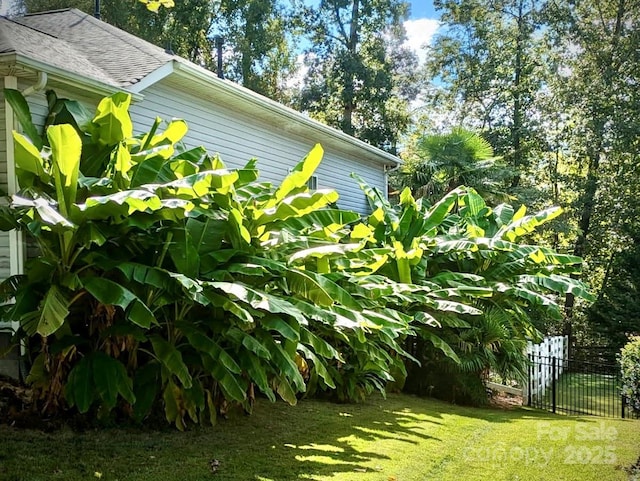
point(596, 394)
point(401, 438)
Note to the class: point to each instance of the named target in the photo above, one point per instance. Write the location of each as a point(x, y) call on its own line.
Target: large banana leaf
point(23, 115)
point(66, 149)
point(110, 293)
point(112, 120)
point(171, 360)
point(260, 300)
point(28, 159)
point(54, 309)
point(299, 176)
point(297, 205)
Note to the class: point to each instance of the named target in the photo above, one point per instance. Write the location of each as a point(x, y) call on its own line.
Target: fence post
point(553, 383)
point(624, 404)
point(529, 380)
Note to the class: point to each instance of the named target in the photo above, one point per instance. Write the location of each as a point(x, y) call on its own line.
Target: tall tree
point(597, 77)
point(489, 64)
point(357, 68)
point(260, 32)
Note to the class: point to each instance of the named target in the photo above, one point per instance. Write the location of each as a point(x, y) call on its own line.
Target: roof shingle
point(122, 57)
point(42, 47)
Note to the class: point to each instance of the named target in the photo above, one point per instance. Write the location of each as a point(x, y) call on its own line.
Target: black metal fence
point(576, 387)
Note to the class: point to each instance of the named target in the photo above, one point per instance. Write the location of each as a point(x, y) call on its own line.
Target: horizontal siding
point(238, 138)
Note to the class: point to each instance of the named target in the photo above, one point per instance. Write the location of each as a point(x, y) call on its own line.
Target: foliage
point(261, 56)
point(482, 287)
point(258, 44)
point(357, 69)
point(550, 86)
point(491, 62)
point(441, 162)
point(616, 312)
point(165, 278)
point(630, 370)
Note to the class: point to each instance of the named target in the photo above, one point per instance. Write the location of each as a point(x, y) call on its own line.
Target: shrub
point(630, 369)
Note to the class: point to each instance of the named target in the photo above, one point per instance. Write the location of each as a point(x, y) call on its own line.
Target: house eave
point(242, 95)
point(20, 66)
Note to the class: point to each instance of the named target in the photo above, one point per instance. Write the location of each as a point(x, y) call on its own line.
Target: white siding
point(238, 138)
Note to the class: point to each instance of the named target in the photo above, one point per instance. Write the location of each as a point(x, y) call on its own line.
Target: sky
point(421, 27)
point(422, 9)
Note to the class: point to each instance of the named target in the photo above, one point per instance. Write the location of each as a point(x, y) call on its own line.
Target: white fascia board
point(70, 78)
point(154, 77)
point(234, 90)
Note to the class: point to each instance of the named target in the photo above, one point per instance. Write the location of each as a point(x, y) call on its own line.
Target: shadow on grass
point(277, 443)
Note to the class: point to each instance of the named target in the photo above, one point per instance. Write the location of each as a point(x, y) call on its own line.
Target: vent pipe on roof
point(96, 9)
point(219, 42)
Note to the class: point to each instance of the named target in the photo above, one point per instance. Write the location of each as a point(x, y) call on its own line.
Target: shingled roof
point(39, 45)
point(100, 57)
point(88, 46)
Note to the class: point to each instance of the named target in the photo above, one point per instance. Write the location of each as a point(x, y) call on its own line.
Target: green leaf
point(253, 345)
point(110, 293)
point(318, 365)
point(184, 253)
point(440, 344)
point(284, 362)
point(301, 283)
point(299, 175)
point(286, 391)
point(112, 120)
point(256, 370)
point(110, 378)
point(23, 114)
point(297, 205)
point(260, 300)
point(230, 384)
point(54, 310)
point(282, 327)
point(145, 389)
point(66, 149)
point(171, 359)
point(79, 390)
point(202, 342)
point(28, 158)
point(436, 215)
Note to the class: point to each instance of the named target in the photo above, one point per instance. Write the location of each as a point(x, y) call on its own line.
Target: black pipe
point(96, 9)
point(219, 42)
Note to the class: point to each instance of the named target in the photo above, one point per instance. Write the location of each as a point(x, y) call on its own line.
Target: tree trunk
point(350, 77)
point(516, 132)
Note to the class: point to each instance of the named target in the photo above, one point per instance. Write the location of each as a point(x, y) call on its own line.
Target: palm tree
point(443, 162)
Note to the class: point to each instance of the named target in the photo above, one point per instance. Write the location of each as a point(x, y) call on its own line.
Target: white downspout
point(38, 86)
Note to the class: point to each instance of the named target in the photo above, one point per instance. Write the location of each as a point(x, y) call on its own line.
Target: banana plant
point(163, 277)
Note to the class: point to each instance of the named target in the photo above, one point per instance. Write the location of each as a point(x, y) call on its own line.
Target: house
point(83, 58)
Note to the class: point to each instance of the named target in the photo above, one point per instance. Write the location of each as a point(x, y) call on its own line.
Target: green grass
point(402, 438)
point(594, 394)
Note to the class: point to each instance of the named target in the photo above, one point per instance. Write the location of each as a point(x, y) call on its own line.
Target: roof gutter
point(210, 79)
point(66, 77)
